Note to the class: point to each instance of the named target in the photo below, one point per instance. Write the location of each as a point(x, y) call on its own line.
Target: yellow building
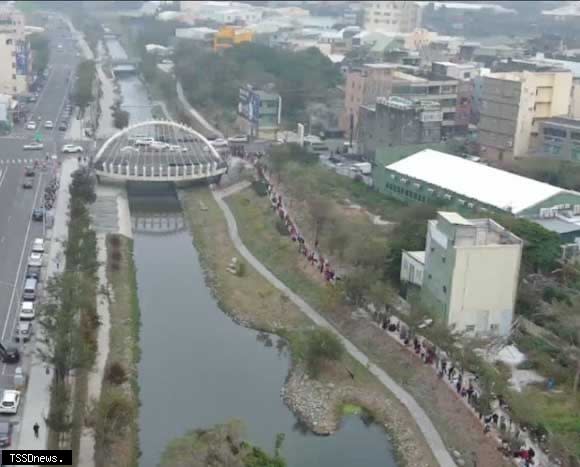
point(229, 36)
point(513, 103)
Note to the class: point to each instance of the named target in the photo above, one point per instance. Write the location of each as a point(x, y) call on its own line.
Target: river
point(198, 368)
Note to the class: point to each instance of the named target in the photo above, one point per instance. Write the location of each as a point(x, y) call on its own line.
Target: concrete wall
point(411, 269)
point(391, 16)
point(483, 290)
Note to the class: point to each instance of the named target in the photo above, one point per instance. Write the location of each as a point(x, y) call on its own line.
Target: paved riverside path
point(194, 113)
point(425, 425)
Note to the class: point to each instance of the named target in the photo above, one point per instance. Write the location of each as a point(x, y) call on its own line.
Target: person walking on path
point(36, 429)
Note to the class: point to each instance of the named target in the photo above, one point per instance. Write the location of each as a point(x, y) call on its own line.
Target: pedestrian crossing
point(19, 161)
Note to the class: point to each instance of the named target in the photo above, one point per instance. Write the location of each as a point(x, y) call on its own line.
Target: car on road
point(31, 125)
point(71, 149)
point(35, 259)
point(239, 139)
point(23, 333)
point(28, 183)
point(145, 141)
point(38, 245)
point(27, 312)
point(63, 127)
point(158, 146)
point(33, 146)
point(129, 149)
point(10, 401)
point(29, 171)
point(5, 434)
point(9, 354)
point(38, 214)
point(49, 125)
point(176, 148)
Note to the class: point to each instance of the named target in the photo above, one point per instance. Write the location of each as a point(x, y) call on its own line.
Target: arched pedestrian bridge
point(158, 151)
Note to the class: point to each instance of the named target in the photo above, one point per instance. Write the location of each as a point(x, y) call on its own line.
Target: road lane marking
point(3, 176)
point(2, 239)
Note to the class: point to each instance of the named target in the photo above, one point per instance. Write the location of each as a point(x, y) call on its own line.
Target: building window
point(444, 289)
point(8, 41)
point(470, 328)
point(494, 327)
point(13, 76)
point(557, 132)
point(443, 260)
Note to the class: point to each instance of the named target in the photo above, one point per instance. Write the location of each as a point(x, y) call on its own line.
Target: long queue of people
point(465, 385)
point(311, 253)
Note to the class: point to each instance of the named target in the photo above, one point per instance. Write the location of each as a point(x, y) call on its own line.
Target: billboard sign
point(249, 105)
point(21, 59)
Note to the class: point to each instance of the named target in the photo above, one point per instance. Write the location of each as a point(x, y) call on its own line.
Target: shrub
point(281, 228)
point(322, 346)
point(260, 188)
point(114, 242)
point(116, 374)
point(116, 256)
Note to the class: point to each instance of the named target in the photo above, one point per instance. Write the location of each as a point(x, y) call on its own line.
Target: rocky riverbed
point(319, 406)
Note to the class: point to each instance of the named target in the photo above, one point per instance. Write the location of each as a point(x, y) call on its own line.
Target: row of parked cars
point(10, 401)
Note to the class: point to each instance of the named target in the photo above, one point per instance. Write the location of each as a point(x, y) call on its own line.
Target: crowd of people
point(464, 384)
point(311, 253)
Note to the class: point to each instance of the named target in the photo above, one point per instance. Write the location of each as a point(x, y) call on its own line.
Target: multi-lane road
point(17, 229)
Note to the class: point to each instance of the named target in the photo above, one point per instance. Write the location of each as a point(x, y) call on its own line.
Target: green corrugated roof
point(390, 154)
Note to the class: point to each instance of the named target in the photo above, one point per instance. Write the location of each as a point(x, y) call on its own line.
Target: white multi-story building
point(391, 16)
point(470, 273)
point(14, 52)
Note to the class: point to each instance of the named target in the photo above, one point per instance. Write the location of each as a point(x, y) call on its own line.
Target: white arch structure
point(189, 171)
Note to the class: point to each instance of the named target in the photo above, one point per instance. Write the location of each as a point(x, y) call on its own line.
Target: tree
point(120, 118)
point(219, 446)
point(39, 45)
point(356, 286)
point(322, 346)
point(410, 235)
point(541, 246)
point(381, 294)
point(83, 92)
point(320, 211)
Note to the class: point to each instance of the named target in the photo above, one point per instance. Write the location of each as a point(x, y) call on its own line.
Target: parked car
point(145, 141)
point(33, 146)
point(23, 333)
point(27, 311)
point(35, 259)
point(49, 125)
point(38, 245)
point(5, 434)
point(63, 126)
point(28, 183)
point(29, 171)
point(158, 146)
point(239, 139)
point(38, 214)
point(31, 125)
point(10, 355)
point(33, 272)
point(71, 149)
point(10, 401)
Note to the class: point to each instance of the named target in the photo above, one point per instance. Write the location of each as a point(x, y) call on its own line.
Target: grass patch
point(116, 414)
point(351, 409)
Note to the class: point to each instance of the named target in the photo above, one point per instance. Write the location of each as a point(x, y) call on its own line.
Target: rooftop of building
point(560, 226)
point(418, 256)
point(519, 76)
point(389, 154)
point(464, 66)
point(562, 121)
point(476, 232)
point(473, 180)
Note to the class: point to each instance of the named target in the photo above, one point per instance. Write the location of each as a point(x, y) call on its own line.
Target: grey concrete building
point(397, 121)
point(558, 139)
